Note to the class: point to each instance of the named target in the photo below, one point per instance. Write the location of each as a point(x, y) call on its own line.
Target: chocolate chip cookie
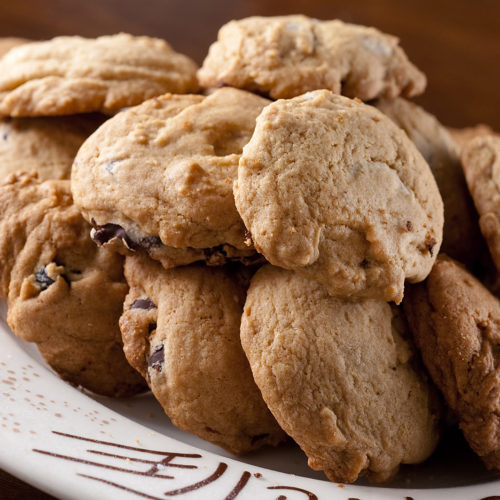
point(45, 145)
point(456, 324)
point(64, 293)
point(481, 163)
point(463, 135)
point(461, 237)
point(333, 189)
point(286, 56)
point(181, 331)
point(338, 376)
point(68, 75)
point(162, 175)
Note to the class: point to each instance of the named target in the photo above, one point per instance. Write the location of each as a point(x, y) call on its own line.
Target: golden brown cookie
point(338, 376)
point(45, 145)
point(64, 293)
point(461, 237)
point(456, 325)
point(481, 164)
point(68, 75)
point(333, 189)
point(286, 56)
point(463, 135)
point(181, 331)
point(162, 175)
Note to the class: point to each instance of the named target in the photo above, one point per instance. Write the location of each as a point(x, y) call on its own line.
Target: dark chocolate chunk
point(146, 304)
point(104, 234)
point(151, 327)
point(43, 280)
point(157, 359)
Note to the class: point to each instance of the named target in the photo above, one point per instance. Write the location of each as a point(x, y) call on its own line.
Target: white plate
point(73, 445)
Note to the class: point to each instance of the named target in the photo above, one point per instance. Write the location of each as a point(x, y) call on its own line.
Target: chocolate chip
point(146, 304)
point(430, 243)
point(258, 437)
point(104, 234)
point(151, 327)
point(107, 232)
point(149, 242)
point(43, 280)
point(157, 359)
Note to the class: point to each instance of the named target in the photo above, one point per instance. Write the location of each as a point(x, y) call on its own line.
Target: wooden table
point(456, 43)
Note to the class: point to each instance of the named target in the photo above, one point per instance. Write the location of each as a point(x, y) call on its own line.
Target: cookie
point(462, 136)
point(338, 376)
point(285, 56)
point(68, 75)
point(461, 236)
point(481, 164)
point(162, 175)
point(64, 293)
point(456, 325)
point(181, 331)
point(45, 145)
point(333, 189)
point(8, 43)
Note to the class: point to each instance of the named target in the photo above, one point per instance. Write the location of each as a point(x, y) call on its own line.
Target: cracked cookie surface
point(333, 189)
point(68, 75)
point(286, 56)
point(64, 293)
point(456, 324)
point(181, 331)
point(338, 376)
point(162, 176)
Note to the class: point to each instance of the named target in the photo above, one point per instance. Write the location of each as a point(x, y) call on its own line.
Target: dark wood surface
point(456, 43)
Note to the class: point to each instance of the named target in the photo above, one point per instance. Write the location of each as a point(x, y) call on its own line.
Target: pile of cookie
point(257, 240)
